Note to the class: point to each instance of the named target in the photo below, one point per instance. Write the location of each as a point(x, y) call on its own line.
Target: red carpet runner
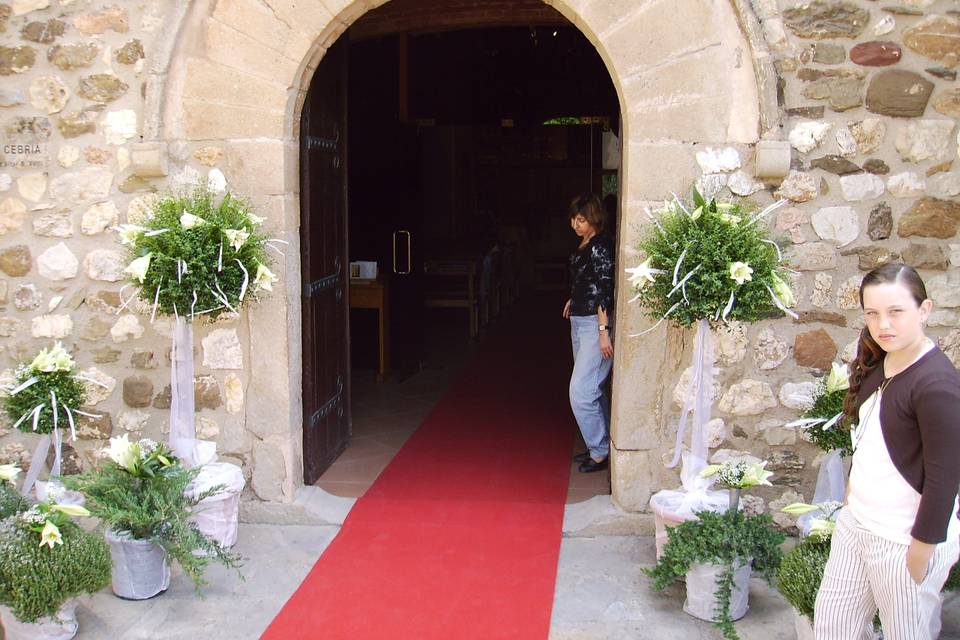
point(459, 536)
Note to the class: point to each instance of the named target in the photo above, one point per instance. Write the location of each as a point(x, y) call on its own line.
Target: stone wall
point(869, 104)
point(104, 103)
point(73, 78)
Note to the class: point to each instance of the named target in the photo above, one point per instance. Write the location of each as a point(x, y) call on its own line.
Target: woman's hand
point(606, 347)
point(918, 558)
point(566, 309)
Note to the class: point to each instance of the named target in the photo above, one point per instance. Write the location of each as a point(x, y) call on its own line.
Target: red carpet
point(459, 536)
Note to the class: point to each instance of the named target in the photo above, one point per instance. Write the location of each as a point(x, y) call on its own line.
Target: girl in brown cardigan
point(898, 534)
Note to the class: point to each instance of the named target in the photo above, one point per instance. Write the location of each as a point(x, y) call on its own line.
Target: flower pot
point(803, 626)
point(701, 599)
point(140, 568)
point(217, 517)
point(61, 627)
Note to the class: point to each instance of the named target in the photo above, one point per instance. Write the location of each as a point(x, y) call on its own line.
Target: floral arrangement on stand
point(11, 502)
point(44, 398)
point(46, 560)
point(823, 421)
point(198, 254)
point(710, 261)
point(705, 263)
point(718, 551)
point(139, 492)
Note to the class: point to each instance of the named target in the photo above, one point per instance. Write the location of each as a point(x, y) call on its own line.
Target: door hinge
point(326, 282)
point(315, 143)
point(333, 403)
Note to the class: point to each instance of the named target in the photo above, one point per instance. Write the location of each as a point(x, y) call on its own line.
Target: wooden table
point(373, 294)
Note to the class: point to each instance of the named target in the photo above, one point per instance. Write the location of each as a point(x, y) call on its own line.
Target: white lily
point(740, 272)
point(822, 527)
point(726, 206)
point(255, 219)
point(9, 472)
point(50, 535)
point(138, 267)
point(799, 508)
point(189, 221)
point(236, 237)
point(756, 474)
point(729, 218)
point(71, 509)
point(838, 378)
point(54, 359)
point(696, 213)
point(642, 274)
point(129, 234)
point(264, 278)
point(783, 291)
point(124, 453)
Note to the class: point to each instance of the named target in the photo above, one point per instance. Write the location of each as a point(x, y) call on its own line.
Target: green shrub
point(719, 538)
point(953, 580)
point(801, 571)
point(11, 502)
point(36, 580)
point(826, 405)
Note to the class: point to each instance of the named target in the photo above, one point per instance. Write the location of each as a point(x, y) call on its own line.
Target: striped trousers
point(867, 573)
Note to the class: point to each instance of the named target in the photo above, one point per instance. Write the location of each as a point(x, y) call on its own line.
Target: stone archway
point(236, 76)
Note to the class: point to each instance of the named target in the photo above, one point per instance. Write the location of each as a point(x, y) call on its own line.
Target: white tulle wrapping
point(63, 627)
point(701, 599)
point(217, 516)
point(140, 568)
point(183, 428)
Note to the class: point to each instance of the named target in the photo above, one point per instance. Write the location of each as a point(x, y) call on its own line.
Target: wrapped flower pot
point(217, 516)
point(140, 568)
point(702, 600)
point(60, 626)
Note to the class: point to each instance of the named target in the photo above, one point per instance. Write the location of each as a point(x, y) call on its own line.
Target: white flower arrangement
point(739, 474)
point(822, 527)
point(710, 261)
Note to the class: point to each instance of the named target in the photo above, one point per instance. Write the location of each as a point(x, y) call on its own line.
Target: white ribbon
point(683, 282)
point(831, 487)
point(156, 301)
point(659, 322)
point(773, 207)
point(36, 463)
point(25, 385)
point(727, 309)
point(220, 258)
point(676, 267)
point(698, 400)
point(73, 427)
point(780, 304)
point(80, 376)
point(246, 281)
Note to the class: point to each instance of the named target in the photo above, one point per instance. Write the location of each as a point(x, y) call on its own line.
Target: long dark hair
point(869, 353)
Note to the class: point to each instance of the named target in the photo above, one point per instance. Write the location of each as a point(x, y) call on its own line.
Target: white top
point(880, 499)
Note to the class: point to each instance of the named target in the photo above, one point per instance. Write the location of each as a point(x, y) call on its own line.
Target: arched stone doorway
point(236, 78)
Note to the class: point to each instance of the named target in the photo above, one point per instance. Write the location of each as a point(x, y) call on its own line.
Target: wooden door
point(323, 256)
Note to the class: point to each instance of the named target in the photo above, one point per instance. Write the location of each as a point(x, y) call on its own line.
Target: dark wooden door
point(323, 256)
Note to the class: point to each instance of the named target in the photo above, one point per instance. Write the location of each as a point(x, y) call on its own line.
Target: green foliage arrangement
point(46, 559)
point(710, 260)
point(724, 539)
point(801, 571)
point(140, 490)
point(822, 424)
point(11, 502)
point(198, 253)
point(45, 393)
point(953, 580)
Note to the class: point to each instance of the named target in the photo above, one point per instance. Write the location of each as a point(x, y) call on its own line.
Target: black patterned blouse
point(591, 277)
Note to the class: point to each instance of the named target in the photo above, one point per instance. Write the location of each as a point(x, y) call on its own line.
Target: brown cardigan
point(920, 421)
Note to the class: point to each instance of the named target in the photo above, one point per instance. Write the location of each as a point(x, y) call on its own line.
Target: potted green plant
point(140, 494)
point(717, 552)
point(43, 400)
point(46, 561)
point(11, 502)
point(801, 570)
point(798, 580)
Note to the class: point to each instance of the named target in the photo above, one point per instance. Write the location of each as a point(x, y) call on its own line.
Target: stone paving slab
point(277, 560)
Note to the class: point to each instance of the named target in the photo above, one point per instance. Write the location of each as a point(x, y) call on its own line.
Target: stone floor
point(601, 594)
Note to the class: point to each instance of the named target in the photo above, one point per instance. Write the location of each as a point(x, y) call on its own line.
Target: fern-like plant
point(723, 539)
point(801, 571)
point(41, 568)
point(141, 491)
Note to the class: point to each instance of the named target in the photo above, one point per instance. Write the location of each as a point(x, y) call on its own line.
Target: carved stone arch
point(234, 74)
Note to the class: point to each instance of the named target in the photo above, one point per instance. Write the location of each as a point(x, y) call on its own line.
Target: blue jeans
point(590, 404)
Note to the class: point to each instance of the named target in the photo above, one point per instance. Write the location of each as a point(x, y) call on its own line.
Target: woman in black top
point(589, 308)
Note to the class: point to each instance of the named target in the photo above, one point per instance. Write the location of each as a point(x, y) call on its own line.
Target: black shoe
point(581, 457)
point(592, 465)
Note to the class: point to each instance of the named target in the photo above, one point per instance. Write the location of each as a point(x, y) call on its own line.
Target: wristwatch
point(603, 327)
